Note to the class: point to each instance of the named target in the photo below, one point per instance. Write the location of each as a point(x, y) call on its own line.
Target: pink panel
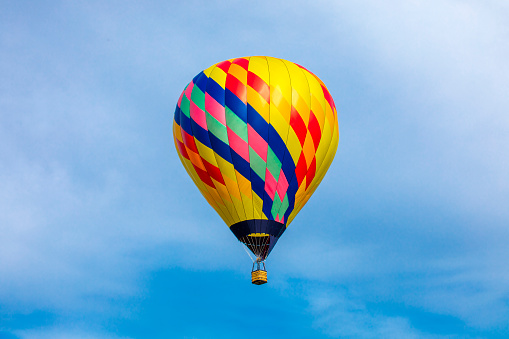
point(180, 99)
point(188, 90)
point(238, 145)
point(270, 184)
point(198, 115)
point(257, 143)
point(215, 109)
point(282, 185)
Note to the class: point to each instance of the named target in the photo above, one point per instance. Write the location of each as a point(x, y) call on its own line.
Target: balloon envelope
point(256, 135)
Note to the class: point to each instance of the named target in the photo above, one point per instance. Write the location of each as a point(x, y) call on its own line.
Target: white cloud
point(339, 316)
point(83, 215)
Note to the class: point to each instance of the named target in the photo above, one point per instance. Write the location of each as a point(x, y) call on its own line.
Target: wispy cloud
point(413, 211)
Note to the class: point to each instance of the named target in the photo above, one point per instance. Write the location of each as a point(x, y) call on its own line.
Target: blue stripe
point(288, 167)
point(292, 189)
point(257, 184)
point(177, 115)
point(249, 115)
point(222, 149)
point(215, 91)
point(236, 105)
point(200, 134)
point(277, 144)
point(201, 81)
point(185, 123)
point(267, 207)
point(241, 165)
point(258, 123)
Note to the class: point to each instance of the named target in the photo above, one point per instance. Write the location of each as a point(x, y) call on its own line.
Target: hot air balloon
point(256, 135)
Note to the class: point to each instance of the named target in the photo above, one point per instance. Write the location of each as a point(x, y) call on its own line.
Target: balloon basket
point(259, 275)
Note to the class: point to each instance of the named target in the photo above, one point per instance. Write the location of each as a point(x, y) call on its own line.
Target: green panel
point(217, 128)
point(236, 124)
point(284, 206)
point(275, 206)
point(198, 97)
point(257, 163)
point(273, 164)
point(184, 106)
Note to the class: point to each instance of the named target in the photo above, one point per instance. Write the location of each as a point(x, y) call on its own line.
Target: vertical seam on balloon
point(256, 240)
point(295, 178)
point(215, 157)
point(333, 127)
point(266, 163)
point(289, 127)
point(268, 140)
point(248, 146)
point(268, 124)
point(288, 131)
point(252, 200)
point(231, 150)
point(297, 205)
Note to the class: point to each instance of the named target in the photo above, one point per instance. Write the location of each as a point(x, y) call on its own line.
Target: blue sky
point(103, 235)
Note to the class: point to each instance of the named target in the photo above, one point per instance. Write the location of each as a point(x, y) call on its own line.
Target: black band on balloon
point(243, 228)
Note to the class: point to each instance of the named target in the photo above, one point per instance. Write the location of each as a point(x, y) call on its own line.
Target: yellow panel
point(316, 107)
point(259, 66)
point(323, 147)
point(227, 199)
point(321, 171)
point(219, 76)
point(195, 159)
point(293, 145)
point(301, 105)
point(220, 204)
point(204, 189)
point(308, 149)
point(232, 187)
point(317, 99)
point(327, 147)
point(330, 115)
point(280, 92)
point(245, 193)
point(279, 100)
point(235, 196)
point(279, 123)
point(309, 192)
point(223, 193)
point(300, 192)
point(257, 206)
point(258, 103)
point(209, 70)
point(334, 146)
point(176, 132)
point(238, 72)
point(248, 209)
point(300, 99)
point(226, 168)
point(206, 152)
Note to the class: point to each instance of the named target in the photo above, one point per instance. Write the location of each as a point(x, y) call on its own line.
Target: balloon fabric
point(256, 135)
